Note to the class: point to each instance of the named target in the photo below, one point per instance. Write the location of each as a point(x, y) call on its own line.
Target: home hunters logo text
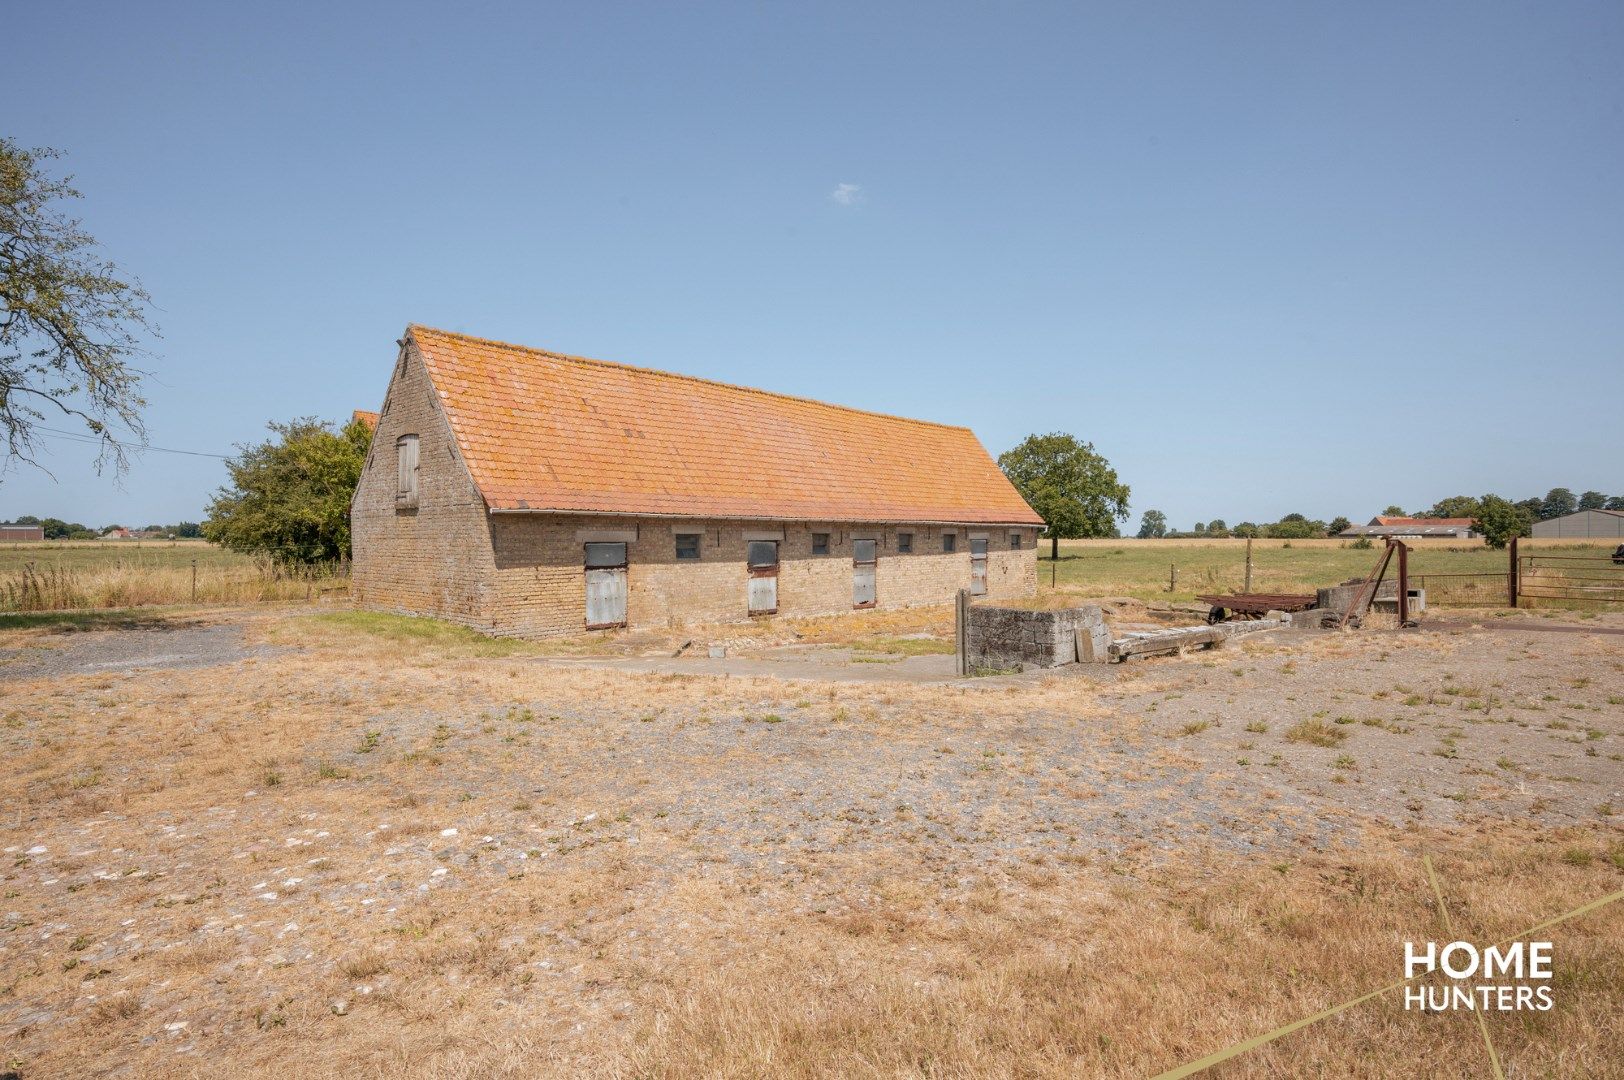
point(1487, 980)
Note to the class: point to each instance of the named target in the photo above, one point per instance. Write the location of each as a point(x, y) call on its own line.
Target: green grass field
point(101, 555)
point(1141, 568)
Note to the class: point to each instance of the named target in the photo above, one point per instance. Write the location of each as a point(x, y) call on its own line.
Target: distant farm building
point(11, 531)
point(1608, 524)
point(529, 493)
point(1414, 527)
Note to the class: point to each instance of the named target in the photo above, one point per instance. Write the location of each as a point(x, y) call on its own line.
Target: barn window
point(687, 545)
point(904, 543)
point(820, 543)
point(406, 470)
point(1014, 541)
point(950, 542)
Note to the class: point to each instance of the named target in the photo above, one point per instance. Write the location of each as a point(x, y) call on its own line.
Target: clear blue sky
point(1267, 257)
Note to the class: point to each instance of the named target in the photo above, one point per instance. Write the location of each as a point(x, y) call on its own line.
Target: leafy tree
point(1456, 506)
point(1500, 519)
point(57, 529)
point(191, 530)
point(1200, 528)
point(1534, 508)
point(1393, 511)
point(1153, 526)
point(1615, 503)
point(289, 497)
point(1296, 527)
point(1247, 530)
point(1592, 500)
point(1073, 488)
point(1557, 503)
point(1338, 526)
point(70, 324)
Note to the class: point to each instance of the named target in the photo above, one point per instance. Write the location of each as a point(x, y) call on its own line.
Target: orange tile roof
point(543, 431)
point(1443, 522)
point(370, 419)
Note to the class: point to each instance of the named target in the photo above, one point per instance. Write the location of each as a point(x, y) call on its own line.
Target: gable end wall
point(434, 560)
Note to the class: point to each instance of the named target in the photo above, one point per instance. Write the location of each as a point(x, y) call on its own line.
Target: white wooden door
point(862, 573)
point(762, 590)
point(605, 586)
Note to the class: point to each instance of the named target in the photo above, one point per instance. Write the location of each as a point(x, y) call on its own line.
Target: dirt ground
point(296, 842)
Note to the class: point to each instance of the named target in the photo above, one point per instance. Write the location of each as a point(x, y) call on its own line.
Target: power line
point(81, 437)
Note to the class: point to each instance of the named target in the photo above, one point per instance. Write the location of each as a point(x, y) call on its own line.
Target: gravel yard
point(272, 840)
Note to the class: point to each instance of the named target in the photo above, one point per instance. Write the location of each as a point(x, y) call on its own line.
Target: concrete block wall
point(1001, 637)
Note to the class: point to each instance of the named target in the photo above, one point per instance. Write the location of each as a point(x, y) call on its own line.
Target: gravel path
point(176, 646)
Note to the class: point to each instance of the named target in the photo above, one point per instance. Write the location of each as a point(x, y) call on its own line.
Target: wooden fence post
point(1248, 587)
point(194, 581)
point(1172, 577)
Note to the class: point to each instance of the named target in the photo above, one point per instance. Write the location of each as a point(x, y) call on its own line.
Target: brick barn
point(527, 493)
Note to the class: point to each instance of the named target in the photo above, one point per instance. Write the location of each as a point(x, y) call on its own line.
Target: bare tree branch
point(71, 327)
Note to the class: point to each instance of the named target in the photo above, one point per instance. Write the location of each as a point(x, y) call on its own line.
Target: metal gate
point(978, 567)
point(762, 591)
point(605, 586)
point(1597, 578)
point(862, 573)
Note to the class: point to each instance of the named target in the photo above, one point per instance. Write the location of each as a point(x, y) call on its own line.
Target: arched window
point(406, 482)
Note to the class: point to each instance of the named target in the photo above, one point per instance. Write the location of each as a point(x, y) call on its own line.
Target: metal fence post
point(1511, 574)
point(961, 628)
point(1403, 584)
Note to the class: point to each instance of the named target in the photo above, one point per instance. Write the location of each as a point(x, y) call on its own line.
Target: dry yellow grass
point(670, 957)
point(75, 575)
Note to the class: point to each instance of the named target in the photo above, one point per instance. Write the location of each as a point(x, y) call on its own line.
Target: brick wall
point(540, 585)
point(435, 559)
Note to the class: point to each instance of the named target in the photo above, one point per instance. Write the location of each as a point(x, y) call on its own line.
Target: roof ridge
point(619, 365)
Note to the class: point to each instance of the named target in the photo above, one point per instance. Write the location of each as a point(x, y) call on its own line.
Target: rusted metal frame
point(1361, 600)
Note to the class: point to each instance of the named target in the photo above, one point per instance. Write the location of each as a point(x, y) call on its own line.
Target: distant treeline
point(57, 529)
point(1496, 517)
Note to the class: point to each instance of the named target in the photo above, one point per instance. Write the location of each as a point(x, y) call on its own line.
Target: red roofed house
point(1415, 527)
point(528, 493)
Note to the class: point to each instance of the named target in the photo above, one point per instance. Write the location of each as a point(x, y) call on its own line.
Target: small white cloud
point(847, 194)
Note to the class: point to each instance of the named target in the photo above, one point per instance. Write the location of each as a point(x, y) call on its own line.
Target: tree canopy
point(1071, 486)
point(1456, 506)
point(1153, 526)
point(289, 497)
point(71, 325)
point(1500, 519)
point(1558, 502)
